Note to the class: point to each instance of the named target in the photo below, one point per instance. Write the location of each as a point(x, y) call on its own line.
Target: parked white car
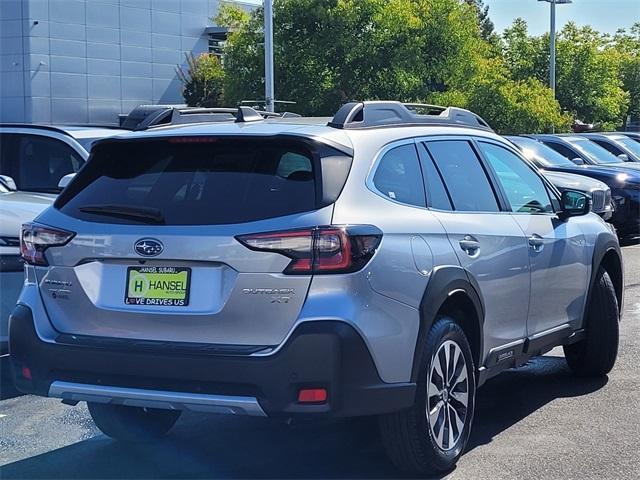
point(36, 161)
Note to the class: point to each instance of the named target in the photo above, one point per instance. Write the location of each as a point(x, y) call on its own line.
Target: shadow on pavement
point(223, 447)
point(513, 395)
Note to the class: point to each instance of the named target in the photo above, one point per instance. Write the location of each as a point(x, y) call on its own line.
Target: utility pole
point(269, 100)
point(552, 44)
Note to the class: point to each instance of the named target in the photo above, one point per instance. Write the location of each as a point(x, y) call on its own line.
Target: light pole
point(552, 43)
point(269, 100)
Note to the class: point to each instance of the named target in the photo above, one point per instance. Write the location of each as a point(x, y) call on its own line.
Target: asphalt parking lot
point(534, 422)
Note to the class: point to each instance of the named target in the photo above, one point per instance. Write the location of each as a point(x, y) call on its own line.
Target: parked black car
point(581, 150)
point(624, 182)
point(620, 145)
point(633, 135)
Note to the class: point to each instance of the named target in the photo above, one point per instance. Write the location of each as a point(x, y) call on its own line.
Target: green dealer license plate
point(165, 286)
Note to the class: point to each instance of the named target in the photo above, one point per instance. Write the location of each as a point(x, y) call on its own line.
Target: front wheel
point(132, 424)
point(596, 355)
point(431, 435)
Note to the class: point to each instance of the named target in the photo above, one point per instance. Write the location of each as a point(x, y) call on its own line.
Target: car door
point(557, 255)
point(488, 242)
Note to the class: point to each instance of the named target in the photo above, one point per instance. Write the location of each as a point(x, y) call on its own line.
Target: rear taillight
point(333, 249)
point(35, 239)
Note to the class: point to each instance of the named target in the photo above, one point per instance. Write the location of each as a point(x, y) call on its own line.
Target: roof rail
point(144, 117)
point(355, 115)
point(39, 126)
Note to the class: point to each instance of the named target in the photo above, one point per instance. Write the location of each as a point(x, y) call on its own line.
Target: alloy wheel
point(447, 395)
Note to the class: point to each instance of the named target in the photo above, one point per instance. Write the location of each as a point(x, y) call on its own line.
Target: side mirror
point(574, 204)
point(64, 181)
point(578, 161)
point(9, 182)
point(624, 157)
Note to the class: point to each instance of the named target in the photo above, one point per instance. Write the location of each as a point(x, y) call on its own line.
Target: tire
point(595, 355)
point(414, 443)
point(132, 424)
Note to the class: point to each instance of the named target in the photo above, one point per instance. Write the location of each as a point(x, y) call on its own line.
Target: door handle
point(536, 242)
point(470, 245)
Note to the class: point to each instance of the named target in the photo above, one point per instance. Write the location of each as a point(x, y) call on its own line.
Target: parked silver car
point(384, 263)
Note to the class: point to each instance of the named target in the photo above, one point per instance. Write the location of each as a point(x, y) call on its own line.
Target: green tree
point(203, 81)
point(588, 81)
point(525, 56)
point(330, 51)
point(487, 28)
point(627, 46)
point(509, 106)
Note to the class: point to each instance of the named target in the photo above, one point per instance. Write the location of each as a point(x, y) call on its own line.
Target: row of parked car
point(37, 161)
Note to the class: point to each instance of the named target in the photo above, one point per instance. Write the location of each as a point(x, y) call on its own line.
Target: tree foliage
point(589, 84)
point(509, 106)
point(330, 51)
point(627, 46)
point(445, 51)
point(203, 81)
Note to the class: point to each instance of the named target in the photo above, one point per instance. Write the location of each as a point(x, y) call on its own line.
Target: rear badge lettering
point(278, 295)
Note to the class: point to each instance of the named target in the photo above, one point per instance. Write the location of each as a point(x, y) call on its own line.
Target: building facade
point(86, 61)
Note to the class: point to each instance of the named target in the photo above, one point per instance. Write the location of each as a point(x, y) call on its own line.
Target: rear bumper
point(319, 354)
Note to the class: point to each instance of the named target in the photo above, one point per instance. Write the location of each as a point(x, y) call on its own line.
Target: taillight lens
point(35, 239)
point(333, 249)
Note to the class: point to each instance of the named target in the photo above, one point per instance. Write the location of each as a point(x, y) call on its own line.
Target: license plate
point(164, 286)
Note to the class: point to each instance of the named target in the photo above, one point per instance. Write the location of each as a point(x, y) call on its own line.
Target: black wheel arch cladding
point(445, 282)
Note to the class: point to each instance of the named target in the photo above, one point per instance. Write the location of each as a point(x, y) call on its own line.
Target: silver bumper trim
point(137, 397)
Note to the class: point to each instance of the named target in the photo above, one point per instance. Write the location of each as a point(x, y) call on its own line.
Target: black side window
point(464, 177)
point(398, 176)
point(40, 162)
point(562, 150)
point(437, 196)
point(611, 148)
point(6, 153)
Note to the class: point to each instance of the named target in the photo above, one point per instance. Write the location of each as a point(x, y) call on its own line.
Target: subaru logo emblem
point(148, 247)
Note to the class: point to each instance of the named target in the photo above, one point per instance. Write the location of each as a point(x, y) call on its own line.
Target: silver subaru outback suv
point(386, 263)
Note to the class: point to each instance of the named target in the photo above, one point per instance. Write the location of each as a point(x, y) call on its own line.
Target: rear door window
point(464, 176)
point(217, 181)
point(437, 196)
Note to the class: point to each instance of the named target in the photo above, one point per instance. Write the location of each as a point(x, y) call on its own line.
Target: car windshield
point(593, 151)
point(540, 154)
point(628, 143)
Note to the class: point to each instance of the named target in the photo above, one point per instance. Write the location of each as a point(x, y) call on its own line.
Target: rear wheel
point(431, 435)
point(596, 354)
point(132, 424)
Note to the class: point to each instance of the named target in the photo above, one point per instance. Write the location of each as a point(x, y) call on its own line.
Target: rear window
point(179, 182)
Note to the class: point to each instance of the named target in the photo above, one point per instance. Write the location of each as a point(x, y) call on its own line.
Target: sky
point(603, 15)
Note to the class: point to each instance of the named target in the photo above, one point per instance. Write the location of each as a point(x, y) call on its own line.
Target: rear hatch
point(155, 255)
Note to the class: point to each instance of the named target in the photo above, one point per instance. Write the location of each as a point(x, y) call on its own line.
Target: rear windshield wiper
point(141, 214)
